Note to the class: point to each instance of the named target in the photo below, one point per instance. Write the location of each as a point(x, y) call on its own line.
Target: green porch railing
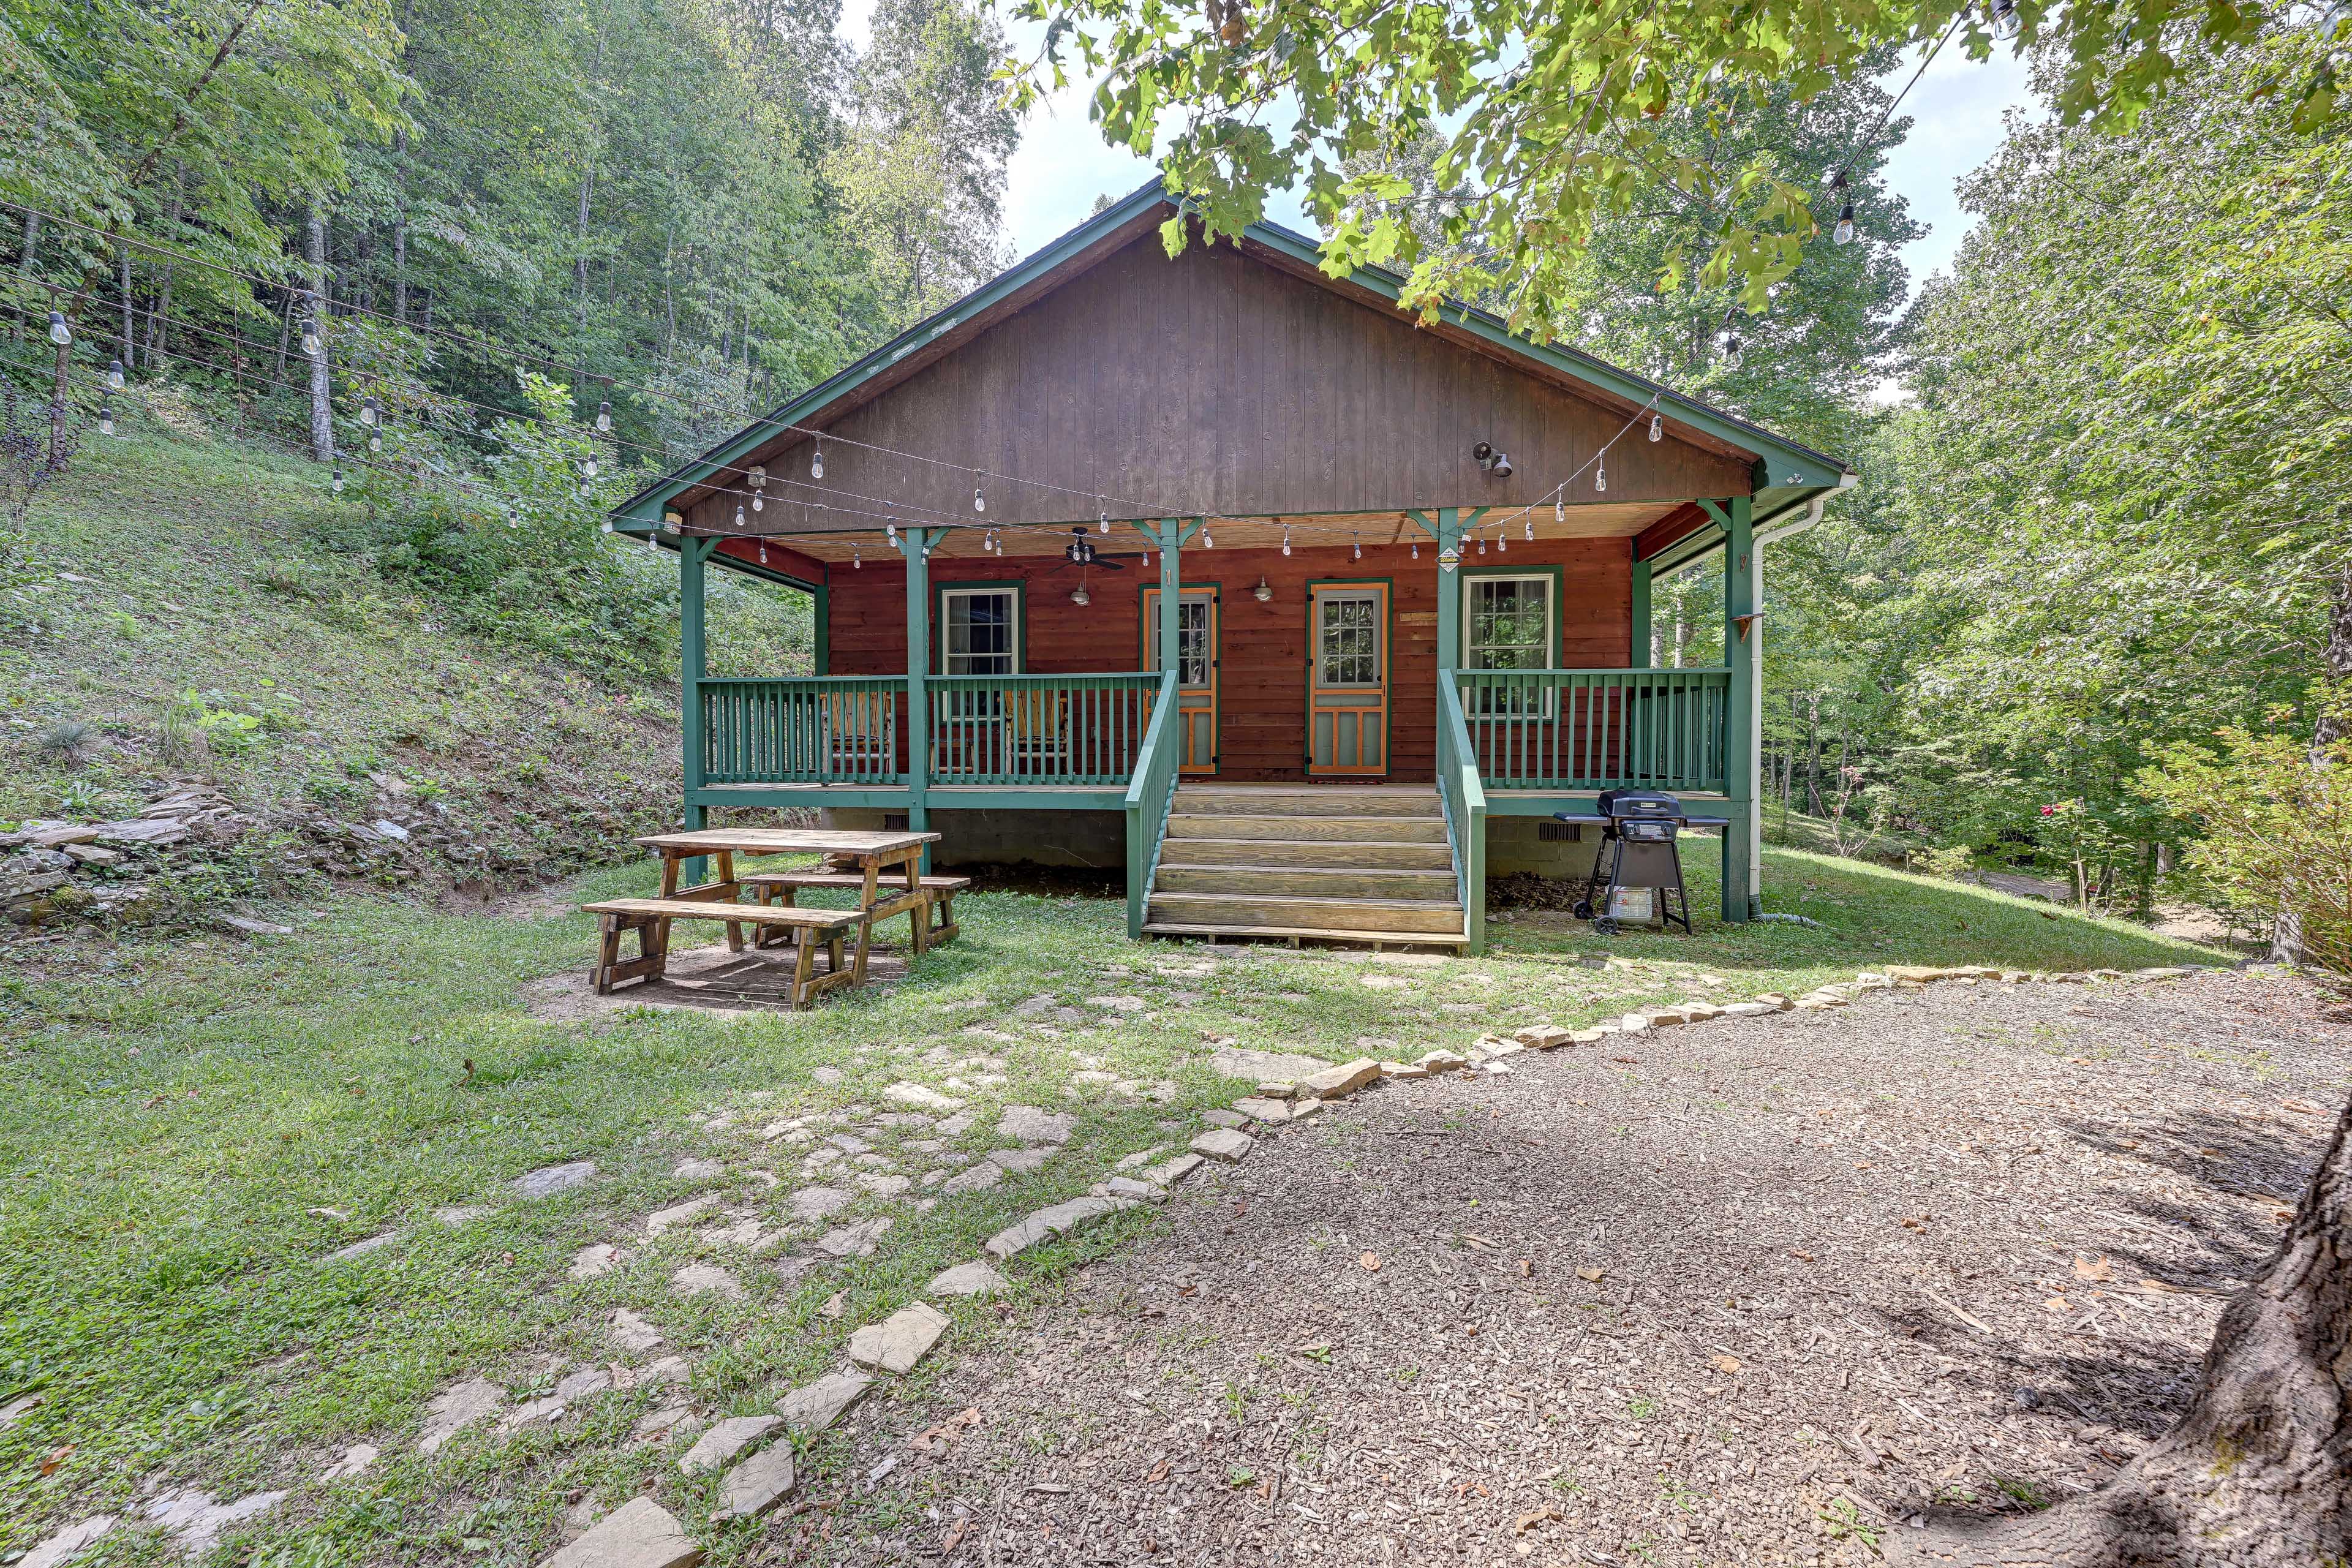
point(805, 730)
point(1464, 797)
point(1598, 729)
point(1150, 795)
point(1038, 729)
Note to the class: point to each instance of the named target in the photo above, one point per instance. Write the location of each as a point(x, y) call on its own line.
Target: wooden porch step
point(1183, 823)
point(1336, 881)
point(1307, 800)
point(1308, 933)
point(1314, 853)
point(1230, 911)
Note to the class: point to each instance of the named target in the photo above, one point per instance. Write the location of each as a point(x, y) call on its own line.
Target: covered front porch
point(1377, 674)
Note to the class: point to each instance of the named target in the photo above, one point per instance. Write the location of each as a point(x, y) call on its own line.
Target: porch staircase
point(1346, 863)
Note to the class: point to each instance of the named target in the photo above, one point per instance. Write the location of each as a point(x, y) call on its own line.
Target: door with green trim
point(1196, 672)
point(1348, 679)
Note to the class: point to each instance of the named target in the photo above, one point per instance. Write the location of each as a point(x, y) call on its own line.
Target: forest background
point(2089, 598)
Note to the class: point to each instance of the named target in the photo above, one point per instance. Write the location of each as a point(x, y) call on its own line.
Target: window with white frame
point(979, 631)
point(1508, 623)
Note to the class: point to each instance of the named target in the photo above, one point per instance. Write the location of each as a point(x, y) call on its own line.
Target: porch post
point(1640, 659)
point(1743, 712)
point(1172, 534)
point(692, 666)
point(915, 544)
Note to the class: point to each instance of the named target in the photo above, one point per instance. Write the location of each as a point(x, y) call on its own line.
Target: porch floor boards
point(1333, 863)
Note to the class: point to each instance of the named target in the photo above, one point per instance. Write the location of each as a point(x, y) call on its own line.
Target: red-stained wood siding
point(1263, 647)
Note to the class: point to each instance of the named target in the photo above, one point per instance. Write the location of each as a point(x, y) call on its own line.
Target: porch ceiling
point(1330, 531)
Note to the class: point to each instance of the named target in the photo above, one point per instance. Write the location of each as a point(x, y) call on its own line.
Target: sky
point(1063, 163)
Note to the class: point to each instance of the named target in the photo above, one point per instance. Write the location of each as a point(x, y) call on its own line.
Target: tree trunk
point(400, 227)
point(1813, 757)
point(129, 314)
point(2259, 1473)
point(323, 411)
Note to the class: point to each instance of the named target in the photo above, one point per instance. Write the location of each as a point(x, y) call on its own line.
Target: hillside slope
point(191, 634)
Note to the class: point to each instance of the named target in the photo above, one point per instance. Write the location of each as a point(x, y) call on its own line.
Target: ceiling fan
point(1080, 552)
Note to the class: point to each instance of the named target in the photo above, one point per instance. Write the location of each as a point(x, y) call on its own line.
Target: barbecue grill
point(1637, 873)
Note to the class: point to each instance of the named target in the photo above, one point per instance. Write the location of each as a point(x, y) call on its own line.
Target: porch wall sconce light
point(1744, 622)
point(1495, 462)
point(1261, 593)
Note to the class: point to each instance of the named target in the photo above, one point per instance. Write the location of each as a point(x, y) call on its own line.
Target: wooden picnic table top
point(787, 841)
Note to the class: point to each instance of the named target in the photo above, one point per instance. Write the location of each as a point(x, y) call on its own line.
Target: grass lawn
point(189, 1128)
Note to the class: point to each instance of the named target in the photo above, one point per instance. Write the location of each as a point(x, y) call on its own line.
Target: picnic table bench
point(650, 919)
point(778, 889)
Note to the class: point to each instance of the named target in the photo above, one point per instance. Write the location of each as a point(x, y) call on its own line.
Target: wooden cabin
point(1410, 566)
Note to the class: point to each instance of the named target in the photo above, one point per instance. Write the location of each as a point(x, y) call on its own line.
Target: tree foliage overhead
point(1557, 117)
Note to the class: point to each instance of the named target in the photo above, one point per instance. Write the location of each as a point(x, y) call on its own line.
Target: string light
point(1208, 541)
point(1358, 545)
point(339, 479)
point(59, 334)
point(763, 553)
point(1482, 545)
point(738, 514)
point(114, 375)
point(368, 411)
point(978, 501)
point(817, 462)
point(856, 563)
point(1844, 233)
point(1558, 511)
point(1531, 528)
point(2006, 23)
point(759, 477)
point(1102, 523)
point(1657, 428)
point(311, 344)
point(106, 417)
point(1502, 543)
point(1286, 539)
point(1416, 550)
point(1727, 340)
point(890, 531)
point(1599, 475)
point(605, 416)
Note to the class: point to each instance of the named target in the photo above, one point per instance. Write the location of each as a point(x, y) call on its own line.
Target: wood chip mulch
point(1751, 1291)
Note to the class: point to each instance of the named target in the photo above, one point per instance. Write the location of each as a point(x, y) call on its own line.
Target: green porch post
point(1641, 617)
point(692, 666)
point(1743, 711)
point(1171, 536)
point(915, 544)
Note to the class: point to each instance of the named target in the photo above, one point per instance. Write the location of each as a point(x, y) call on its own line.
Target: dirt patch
point(1745, 1293)
point(707, 979)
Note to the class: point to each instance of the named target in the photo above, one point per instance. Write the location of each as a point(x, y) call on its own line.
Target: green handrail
point(841, 729)
point(1149, 795)
point(1598, 729)
point(1037, 729)
point(1463, 796)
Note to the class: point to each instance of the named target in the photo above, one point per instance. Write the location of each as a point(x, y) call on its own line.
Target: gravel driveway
point(1748, 1292)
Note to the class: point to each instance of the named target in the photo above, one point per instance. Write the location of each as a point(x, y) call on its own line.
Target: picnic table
point(887, 880)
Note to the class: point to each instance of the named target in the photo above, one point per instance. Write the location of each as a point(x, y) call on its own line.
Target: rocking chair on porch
point(1037, 732)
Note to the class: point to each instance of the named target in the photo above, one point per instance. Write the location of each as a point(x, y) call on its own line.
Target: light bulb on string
point(588, 470)
point(816, 462)
point(1102, 523)
point(59, 334)
point(608, 521)
point(338, 479)
point(979, 499)
point(1600, 476)
point(106, 417)
point(114, 375)
point(1844, 233)
point(763, 553)
point(1286, 539)
point(1727, 340)
point(311, 344)
point(584, 492)
point(1358, 545)
point(1208, 542)
point(1482, 545)
point(1559, 509)
point(1530, 528)
point(738, 514)
point(2006, 23)
point(891, 529)
point(1657, 428)
point(856, 565)
point(759, 502)
point(368, 413)
point(1416, 550)
point(1502, 543)
point(605, 416)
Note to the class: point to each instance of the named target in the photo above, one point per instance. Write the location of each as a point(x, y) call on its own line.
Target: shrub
point(2275, 824)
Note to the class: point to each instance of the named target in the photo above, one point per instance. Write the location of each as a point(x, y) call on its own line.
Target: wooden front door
point(1348, 679)
point(1196, 671)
